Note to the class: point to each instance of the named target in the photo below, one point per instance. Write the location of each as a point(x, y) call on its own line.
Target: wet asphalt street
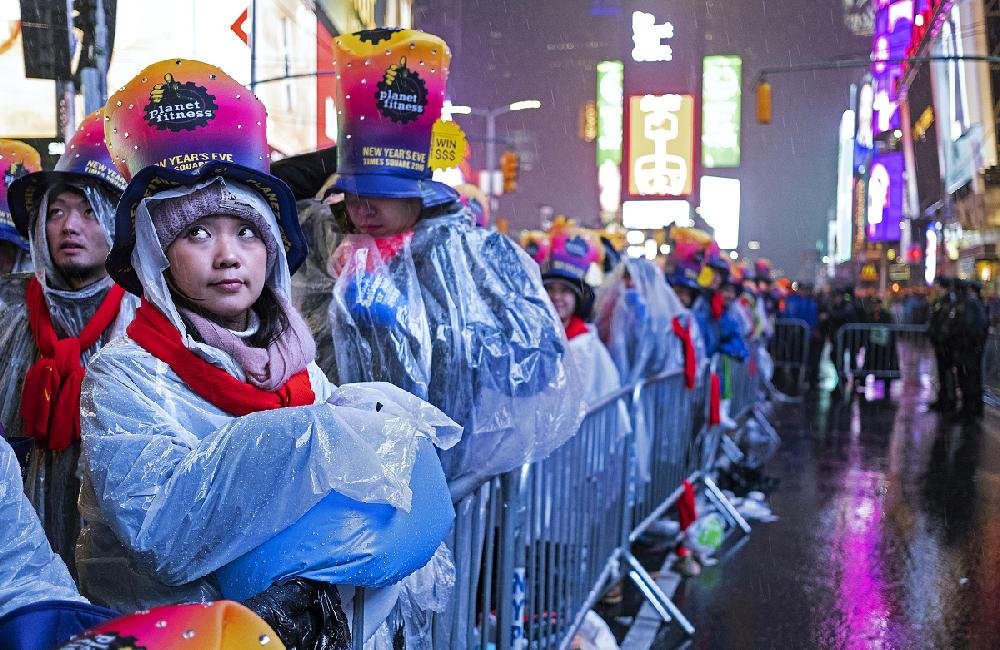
point(889, 534)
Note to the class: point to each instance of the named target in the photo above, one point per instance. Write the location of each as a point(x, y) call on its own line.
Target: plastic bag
point(305, 614)
point(344, 541)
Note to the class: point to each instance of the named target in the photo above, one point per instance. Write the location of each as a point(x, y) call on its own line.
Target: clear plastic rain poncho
point(312, 284)
point(458, 315)
point(634, 313)
point(29, 571)
point(52, 478)
point(175, 488)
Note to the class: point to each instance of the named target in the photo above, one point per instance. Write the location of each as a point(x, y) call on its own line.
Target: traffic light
point(510, 165)
point(763, 102)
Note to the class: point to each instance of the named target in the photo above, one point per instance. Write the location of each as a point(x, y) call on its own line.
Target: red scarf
point(687, 513)
point(715, 401)
point(158, 336)
point(718, 304)
point(50, 398)
point(683, 332)
point(575, 327)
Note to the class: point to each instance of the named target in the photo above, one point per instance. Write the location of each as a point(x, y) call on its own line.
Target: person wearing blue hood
point(423, 298)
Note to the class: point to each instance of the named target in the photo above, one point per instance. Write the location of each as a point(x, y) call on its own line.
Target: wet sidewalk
point(889, 534)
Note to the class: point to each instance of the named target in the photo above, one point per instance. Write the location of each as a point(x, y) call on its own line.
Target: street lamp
point(491, 116)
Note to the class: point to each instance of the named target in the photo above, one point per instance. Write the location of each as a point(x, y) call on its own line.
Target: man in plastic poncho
point(218, 460)
point(16, 160)
point(73, 308)
point(423, 298)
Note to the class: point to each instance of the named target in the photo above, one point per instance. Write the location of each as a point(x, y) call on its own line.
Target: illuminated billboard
point(661, 145)
point(720, 208)
point(720, 111)
point(610, 118)
point(845, 186)
point(885, 197)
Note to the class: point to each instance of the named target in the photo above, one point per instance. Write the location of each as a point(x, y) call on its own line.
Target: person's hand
point(374, 298)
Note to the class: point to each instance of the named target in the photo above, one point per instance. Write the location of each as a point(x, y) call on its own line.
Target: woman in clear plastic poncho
point(648, 332)
point(208, 430)
point(423, 298)
point(175, 487)
point(635, 311)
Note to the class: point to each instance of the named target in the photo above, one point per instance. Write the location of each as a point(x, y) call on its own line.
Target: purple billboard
point(893, 33)
point(885, 197)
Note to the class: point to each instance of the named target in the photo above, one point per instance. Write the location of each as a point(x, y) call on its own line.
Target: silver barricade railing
point(741, 383)
point(572, 504)
point(789, 346)
point(881, 350)
point(991, 369)
point(664, 423)
point(540, 545)
point(476, 594)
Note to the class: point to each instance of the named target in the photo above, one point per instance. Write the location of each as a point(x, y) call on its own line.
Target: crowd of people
point(955, 313)
point(216, 388)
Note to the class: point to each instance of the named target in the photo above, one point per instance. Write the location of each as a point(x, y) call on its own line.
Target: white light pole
point(491, 116)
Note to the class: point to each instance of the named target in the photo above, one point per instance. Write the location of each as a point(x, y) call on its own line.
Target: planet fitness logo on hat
point(179, 106)
point(577, 247)
point(402, 94)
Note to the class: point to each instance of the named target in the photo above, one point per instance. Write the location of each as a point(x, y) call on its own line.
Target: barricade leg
point(665, 607)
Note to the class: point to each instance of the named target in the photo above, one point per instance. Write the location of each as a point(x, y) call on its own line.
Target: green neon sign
point(720, 113)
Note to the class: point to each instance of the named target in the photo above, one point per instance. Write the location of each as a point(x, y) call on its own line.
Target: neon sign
point(648, 37)
point(720, 112)
point(610, 116)
point(661, 145)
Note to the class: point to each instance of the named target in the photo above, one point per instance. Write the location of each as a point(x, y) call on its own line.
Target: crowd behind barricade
point(220, 389)
point(843, 320)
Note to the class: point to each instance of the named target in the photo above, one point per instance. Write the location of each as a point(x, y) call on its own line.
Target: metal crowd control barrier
point(536, 548)
point(882, 350)
point(789, 347)
point(991, 369)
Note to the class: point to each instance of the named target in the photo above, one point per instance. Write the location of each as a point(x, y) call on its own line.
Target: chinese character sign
point(720, 127)
point(661, 145)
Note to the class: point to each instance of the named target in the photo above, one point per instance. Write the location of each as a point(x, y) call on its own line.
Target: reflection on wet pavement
point(889, 535)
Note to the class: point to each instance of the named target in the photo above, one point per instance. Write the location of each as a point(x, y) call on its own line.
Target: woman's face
point(380, 217)
point(686, 295)
point(220, 263)
point(563, 299)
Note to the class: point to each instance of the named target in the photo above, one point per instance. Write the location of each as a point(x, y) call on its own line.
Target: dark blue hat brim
point(431, 193)
point(25, 193)
point(681, 280)
point(556, 275)
point(155, 179)
point(719, 265)
point(8, 234)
